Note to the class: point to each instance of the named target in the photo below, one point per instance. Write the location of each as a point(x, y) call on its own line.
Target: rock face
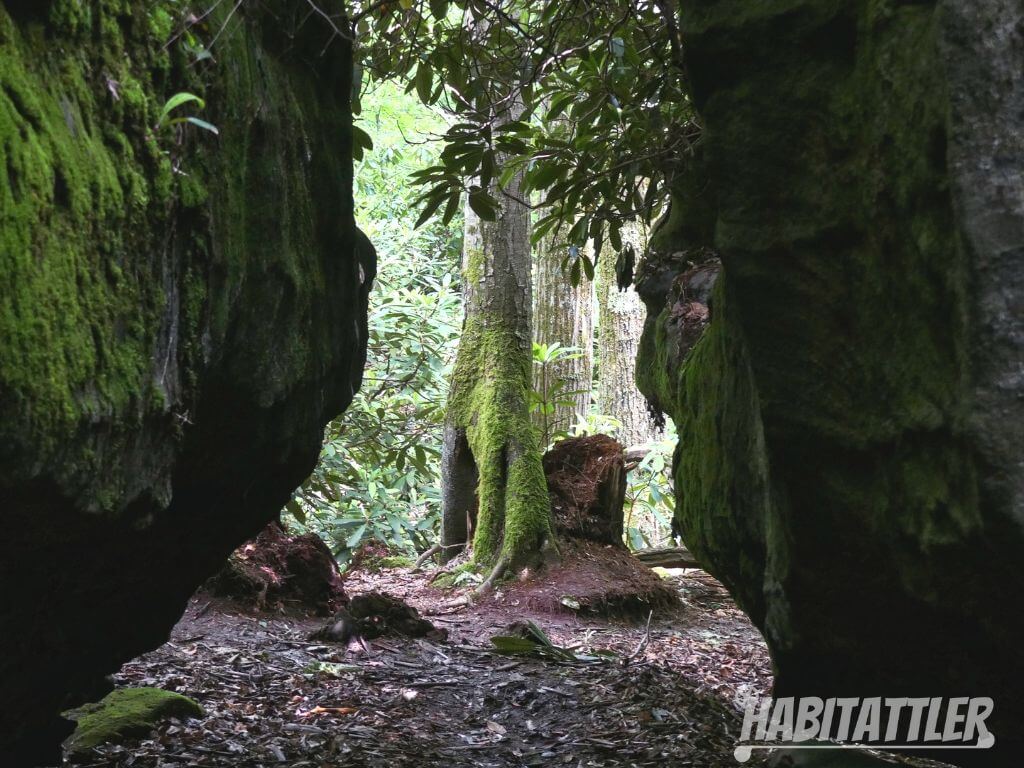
point(851, 457)
point(180, 314)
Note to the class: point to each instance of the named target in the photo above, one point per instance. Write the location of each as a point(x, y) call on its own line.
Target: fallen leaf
point(327, 711)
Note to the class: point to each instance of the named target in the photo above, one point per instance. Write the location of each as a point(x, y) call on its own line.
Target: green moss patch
point(489, 401)
point(456, 576)
point(126, 713)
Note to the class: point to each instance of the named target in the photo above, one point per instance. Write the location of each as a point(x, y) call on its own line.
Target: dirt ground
point(664, 696)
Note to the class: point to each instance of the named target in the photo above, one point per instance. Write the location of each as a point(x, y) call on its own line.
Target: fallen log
point(667, 557)
point(636, 454)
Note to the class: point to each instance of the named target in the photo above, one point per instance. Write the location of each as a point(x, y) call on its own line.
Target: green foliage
point(533, 641)
point(378, 474)
point(605, 120)
point(650, 500)
point(179, 100)
point(552, 393)
point(466, 574)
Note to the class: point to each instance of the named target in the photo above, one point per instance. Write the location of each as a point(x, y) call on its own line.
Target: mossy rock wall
point(851, 455)
point(180, 314)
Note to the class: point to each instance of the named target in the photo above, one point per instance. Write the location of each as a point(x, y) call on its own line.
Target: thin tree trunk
point(491, 461)
point(620, 322)
point(562, 314)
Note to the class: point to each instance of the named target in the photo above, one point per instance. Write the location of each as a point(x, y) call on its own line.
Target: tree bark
point(492, 477)
point(563, 314)
point(620, 322)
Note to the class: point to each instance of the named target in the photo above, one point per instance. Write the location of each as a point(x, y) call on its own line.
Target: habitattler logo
point(878, 723)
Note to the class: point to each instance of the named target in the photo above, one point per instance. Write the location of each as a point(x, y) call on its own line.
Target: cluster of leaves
point(378, 473)
point(553, 391)
point(531, 640)
point(167, 117)
point(650, 501)
point(581, 101)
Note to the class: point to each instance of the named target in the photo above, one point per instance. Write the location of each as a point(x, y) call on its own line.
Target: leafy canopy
point(606, 117)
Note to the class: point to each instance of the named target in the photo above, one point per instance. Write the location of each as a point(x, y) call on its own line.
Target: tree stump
point(587, 484)
point(275, 568)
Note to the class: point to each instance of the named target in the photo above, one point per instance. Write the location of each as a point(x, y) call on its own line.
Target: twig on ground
point(644, 641)
point(430, 553)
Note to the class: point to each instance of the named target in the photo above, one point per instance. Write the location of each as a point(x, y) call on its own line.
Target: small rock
point(125, 713)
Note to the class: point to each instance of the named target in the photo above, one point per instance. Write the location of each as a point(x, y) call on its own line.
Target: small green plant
point(594, 423)
point(650, 501)
point(177, 101)
point(552, 392)
point(531, 640)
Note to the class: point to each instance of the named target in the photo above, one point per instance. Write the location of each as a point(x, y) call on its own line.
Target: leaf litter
point(559, 689)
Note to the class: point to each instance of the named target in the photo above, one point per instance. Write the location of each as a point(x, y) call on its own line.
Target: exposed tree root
point(426, 556)
point(496, 573)
point(433, 551)
point(499, 570)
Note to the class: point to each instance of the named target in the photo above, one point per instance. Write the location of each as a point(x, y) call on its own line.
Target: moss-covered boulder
point(126, 713)
point(851, 457)
point(180, 314)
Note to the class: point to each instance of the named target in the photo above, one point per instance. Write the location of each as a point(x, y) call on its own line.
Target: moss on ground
point(449, 579)
point(127, 713)
point(397, 561)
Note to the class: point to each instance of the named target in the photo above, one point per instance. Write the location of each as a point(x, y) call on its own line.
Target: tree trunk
point(562, 314)
point(620, 322)
point(491, 464)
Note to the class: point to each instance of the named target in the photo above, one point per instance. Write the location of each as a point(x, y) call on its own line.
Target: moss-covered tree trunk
point(620, 322)
point(562, 314)
point(493, 480)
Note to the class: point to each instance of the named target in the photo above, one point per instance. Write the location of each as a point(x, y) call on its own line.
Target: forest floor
point(662, 696)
